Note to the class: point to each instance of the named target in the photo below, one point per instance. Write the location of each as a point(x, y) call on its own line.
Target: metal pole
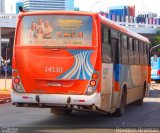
point(6, 68)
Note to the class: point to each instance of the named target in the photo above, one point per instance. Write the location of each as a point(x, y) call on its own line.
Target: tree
point(156, 41)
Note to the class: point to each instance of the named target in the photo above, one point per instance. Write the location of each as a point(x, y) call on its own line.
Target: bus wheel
point(120, 111)
point(57, 111)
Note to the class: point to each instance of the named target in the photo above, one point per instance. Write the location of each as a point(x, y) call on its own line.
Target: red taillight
point(25, 97)
point(94, 76)
point(82, 101)
point(93, 83)
point(16, 80)
point(158, 72)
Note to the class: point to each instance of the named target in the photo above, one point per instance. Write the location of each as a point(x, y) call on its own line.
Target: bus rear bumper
point(55, 99)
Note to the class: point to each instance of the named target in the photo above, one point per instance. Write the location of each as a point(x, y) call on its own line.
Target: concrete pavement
point(155, 86)
point(40, 120)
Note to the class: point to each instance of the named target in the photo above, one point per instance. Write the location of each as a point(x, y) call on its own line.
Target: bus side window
point(133, 49)
point(120, 50)
point(124, 49)
point(144, 48)
point(144, 54)
point(106, 47)
point(147, 52)
point(141, 53)
point(131, 52)
point(136, 52)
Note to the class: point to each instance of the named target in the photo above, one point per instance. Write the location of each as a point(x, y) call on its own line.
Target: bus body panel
point(107, 86)
point(124, 75)
point(134, 76)
point(55, 72)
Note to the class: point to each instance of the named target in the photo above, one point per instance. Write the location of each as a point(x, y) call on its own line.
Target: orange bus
point(70, 60)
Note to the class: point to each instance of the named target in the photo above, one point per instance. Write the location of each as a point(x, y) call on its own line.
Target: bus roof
point(43, 12)
point(104, 20)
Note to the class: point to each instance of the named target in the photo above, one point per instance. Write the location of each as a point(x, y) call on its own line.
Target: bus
point(73, 60)
point(155, 69)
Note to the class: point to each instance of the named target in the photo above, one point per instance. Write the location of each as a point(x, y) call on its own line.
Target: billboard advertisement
point(56, 30)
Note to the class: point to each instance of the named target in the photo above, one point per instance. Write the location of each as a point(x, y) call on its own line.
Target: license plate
point(54, 84)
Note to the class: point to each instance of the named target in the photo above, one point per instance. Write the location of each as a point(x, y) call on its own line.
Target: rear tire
point(120, 111)
point(57, 111)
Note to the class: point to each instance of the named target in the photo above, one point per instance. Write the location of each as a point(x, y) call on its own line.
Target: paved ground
point(144, 116)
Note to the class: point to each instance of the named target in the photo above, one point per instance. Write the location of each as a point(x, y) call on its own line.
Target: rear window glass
point(56, 30)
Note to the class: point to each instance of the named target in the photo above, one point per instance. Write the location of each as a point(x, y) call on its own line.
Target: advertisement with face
point(56, 30)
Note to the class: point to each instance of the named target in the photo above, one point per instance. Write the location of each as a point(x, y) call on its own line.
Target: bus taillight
point(16, 80)
point(94, 76)
point(93, 83)
point(81, 101)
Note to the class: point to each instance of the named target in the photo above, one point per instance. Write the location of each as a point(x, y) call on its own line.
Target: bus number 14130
point(53, 69)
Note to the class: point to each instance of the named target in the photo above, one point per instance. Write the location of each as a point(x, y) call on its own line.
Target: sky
point(103, 5)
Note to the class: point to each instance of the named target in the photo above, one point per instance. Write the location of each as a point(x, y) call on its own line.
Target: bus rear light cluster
point(158, 72)
point(16, 81)
point(92, 84)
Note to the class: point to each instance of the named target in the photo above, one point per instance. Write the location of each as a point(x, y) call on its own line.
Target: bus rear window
point(56, 30)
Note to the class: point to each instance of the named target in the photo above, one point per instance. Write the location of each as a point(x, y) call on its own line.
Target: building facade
point(18, 4)
point(33, 5)
point(2, 6)
point(123, 10)
point(148, 15)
